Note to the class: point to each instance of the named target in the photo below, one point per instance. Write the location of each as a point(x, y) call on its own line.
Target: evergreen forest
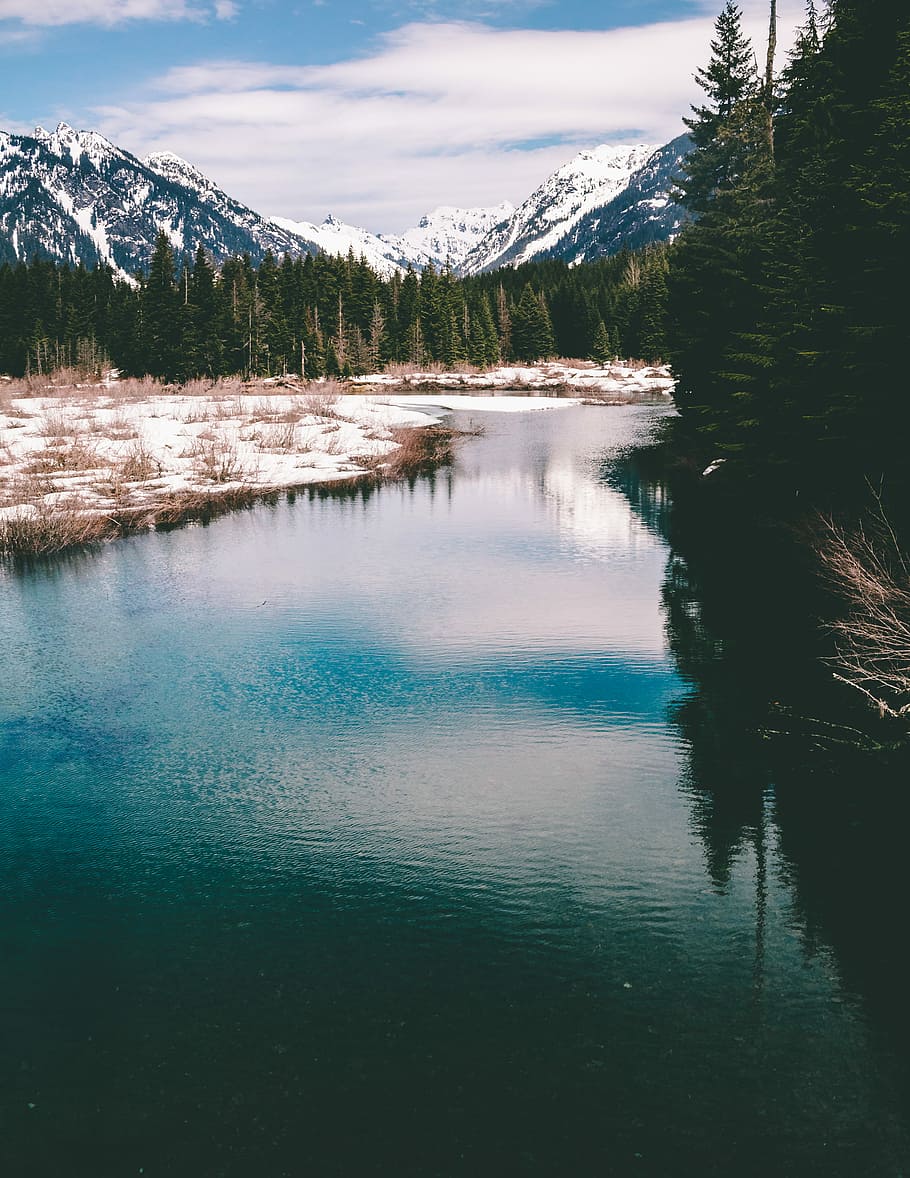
point(323, 315)
point(787, 295)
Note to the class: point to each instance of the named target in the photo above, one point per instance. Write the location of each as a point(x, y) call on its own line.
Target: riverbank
point(785, 582)
point(619, 382)
point(82, 463)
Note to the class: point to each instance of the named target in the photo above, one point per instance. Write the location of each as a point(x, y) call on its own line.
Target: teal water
point(361, 835)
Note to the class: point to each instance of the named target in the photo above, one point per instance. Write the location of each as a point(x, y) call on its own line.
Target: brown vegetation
point(868, 569)
point(48, 529)
point(419, 450)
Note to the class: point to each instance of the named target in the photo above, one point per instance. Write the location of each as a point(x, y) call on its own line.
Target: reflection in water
point(367, 833)
point(830, 823)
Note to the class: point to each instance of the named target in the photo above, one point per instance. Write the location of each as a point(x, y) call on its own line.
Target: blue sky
point(374, 110)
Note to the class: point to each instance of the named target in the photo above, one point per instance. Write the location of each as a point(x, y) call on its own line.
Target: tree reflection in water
point(774, 746)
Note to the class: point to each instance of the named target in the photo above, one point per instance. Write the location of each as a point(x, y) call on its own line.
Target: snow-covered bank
point(610, 382)
point(132, 451)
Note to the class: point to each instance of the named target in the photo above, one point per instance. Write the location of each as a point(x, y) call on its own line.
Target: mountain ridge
point(75, 197)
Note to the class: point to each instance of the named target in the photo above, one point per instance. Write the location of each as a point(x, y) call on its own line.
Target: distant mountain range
point(74, 196)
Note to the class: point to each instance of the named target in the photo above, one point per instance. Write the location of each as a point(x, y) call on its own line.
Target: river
point(399, 831)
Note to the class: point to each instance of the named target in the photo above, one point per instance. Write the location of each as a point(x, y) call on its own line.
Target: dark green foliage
point(329, 315)
point(160, 326)
point(532, 332)
point(730, 84)
point(787, 300)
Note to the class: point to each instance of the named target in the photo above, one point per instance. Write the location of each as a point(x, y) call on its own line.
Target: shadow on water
point(778, 752)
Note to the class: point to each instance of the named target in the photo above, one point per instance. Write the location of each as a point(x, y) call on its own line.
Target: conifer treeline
point(332, 316)
point(788, 308)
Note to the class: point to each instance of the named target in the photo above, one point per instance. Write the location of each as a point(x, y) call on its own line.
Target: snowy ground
point(124, 447)
point(617, 381)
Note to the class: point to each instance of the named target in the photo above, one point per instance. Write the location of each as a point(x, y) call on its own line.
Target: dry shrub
point(869, 570)
point(56, 459)
point(216, 459)
point(200, 505)
point(50, 529)
point(331, 442)
point(73, 377)
point(135, 388)
point(26, 488)
point(138, 465)
point(434, 368)
point(284, 411)
point(61, 382)
point(229, 384)
point(57, 424)
point(410, 368)
point(419, 449)
point(605, 397)
point(263, 409)
point(227, 408)
point(321, 400)
point(120, 426)
point(195, 414)
point(197, 388)
point(27, 386)
point(281, 437)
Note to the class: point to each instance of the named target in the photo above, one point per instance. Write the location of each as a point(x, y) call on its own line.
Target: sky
point(376, 111)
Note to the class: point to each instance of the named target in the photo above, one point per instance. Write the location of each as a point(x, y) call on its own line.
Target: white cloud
point(453, 113)
point(110, 12)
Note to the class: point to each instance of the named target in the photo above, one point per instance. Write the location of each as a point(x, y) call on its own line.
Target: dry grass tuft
point(49, 529)
point(419, 450)
point(870, 571)
point(216, 459)
point(138, 465)
point(280, 437)
point(120, 426)
point(134, 388)
point(57, 424)
point(322, 400)
point(57, 459)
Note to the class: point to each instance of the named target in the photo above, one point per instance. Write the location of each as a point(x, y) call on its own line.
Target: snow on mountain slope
point(448, 234)
point(592, 178)
point(385, 255)
point(75, 197)
point(643, 212)
point(445, 236)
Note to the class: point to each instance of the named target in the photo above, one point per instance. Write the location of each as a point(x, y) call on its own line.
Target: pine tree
point(729, 81)
point(718, 276)
point(532, 332)
point(377, 339)
point(504, 323)
point(601, 348)
point(160, 303)
point(408, 316)
point(209, 355)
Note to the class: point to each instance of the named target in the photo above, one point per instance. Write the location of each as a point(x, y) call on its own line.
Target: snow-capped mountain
point(447, 235)
point(335, 237)
point(444, 237)
point(591, 179)
point(74, 196)
point(641, 213)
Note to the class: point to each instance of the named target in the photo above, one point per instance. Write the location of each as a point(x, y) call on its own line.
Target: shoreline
point(84, 463)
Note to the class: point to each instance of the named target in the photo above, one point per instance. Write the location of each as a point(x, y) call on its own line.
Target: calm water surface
point(363, 836)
